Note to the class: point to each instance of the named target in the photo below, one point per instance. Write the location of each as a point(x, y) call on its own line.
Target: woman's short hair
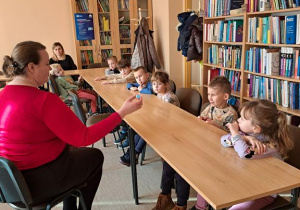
point(23, 54)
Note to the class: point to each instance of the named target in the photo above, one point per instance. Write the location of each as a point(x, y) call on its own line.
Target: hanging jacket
point(186, 19)
point(144, 53)
point(196, 41)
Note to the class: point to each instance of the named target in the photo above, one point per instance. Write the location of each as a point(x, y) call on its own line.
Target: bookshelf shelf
point(113, 30)
point(225, 17)
point(220, 67)
point(282, 59)
point(281, 108)
point(274, 76)
point(272, 45)
point(224, 43)
point(273, 11)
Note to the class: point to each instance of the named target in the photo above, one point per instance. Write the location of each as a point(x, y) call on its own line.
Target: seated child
point(143, 85)
point(112, 64)
point(126, 74)
point(218, 113)
point(160, 84)
point(260, 132)
point(66, 83)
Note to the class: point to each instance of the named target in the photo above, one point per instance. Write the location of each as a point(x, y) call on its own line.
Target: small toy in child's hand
point(138, 97)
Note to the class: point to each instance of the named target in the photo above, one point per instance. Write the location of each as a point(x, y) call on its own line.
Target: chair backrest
point(77, 106)
point(13, 187)
point(190, 100)
point(53, 85)
point(172, 86)
point(95, 65)
point(293, 155)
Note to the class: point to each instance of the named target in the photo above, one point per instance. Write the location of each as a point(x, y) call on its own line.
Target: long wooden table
point(193, 149)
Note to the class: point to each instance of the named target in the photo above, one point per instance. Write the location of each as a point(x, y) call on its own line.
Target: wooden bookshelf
point(115, 36)
point(243, 93)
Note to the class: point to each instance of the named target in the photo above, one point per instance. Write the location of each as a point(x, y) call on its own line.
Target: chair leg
point(143, 154)
point(104, 143)
point(295, 196)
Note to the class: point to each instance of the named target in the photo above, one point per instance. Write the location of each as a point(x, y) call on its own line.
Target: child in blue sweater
point(142, 84)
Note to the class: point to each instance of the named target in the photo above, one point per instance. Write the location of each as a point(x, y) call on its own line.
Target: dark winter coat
point(196, 41)
point(186, 19)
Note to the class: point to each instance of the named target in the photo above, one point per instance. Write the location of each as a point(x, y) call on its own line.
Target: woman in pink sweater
point(36, 128)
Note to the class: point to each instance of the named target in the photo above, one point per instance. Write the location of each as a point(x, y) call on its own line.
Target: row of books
point(104, 23)
point(103, 5)
point(123, 4)
point(234, 77)
point(274, 29)
point(86, 57)
point(124, 31)
point(85, 43)
point(224, 31)
point(282, 92)
point(215, 8)
point(83, 5)
point(105, 38)
point(225, 56)
point(125, 50)
point(283, 62)
point(264, 5)
point(104, 55)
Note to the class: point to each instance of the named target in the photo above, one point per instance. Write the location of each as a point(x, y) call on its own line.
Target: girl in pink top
point(260, 132)
point(36, 128)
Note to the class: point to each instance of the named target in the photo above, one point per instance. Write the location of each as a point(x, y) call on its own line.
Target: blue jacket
point(145, 90)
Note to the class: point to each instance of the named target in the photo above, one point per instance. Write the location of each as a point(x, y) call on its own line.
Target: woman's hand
point(233, 128)
point(130, 105)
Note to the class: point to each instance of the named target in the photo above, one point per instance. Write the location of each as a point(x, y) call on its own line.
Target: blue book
point(247, 56)
point(290, 26)
point(296, 98)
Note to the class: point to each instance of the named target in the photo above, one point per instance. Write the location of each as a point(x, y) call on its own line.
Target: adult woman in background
point(60, 57)
point(37, 126)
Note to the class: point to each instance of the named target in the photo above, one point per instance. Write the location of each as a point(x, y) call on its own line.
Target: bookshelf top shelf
point(272, 45)
point(297, 9)
point(224, 17)
point(227, 43)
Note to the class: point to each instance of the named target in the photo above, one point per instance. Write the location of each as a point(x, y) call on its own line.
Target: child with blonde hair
point(260, 132)
point(112, 64)
point(125, 75)
point(66, 83)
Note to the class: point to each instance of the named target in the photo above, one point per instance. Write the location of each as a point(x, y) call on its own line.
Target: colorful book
point(290, 22)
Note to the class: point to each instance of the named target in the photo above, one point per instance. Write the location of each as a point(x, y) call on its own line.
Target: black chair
point(190, 100)
point(92, 119)
point(172, 86)
point(55, 90)
point(14, 190)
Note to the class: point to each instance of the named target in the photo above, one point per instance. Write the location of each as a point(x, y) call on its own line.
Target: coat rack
point(140, 16)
